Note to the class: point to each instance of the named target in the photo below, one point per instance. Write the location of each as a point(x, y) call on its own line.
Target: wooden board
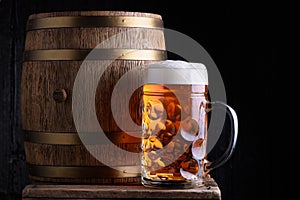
point(52, 191)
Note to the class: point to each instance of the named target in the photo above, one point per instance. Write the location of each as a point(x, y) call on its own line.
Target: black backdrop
point(246, 41)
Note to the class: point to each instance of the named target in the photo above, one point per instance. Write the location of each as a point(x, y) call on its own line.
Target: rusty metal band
point(93, 21)
point(83, 171)
point(95, 54)
point(73, 138)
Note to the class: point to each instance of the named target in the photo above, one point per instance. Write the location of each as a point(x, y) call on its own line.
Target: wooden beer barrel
point(56, 45)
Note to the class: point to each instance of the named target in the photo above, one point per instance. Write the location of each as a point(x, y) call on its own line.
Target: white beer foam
point(176, 72)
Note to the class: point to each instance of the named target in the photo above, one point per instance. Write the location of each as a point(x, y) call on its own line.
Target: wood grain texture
point(86, 38)
point(40, 112)
point(46, 191)
point(41, 79)
point(76, 155)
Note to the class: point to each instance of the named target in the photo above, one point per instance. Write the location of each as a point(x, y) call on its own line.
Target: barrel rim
point(88, 12)
point(93, 22)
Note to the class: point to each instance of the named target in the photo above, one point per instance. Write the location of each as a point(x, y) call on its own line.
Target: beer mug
point(175, 107)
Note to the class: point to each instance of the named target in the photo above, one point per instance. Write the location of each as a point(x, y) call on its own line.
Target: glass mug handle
point(210, 165)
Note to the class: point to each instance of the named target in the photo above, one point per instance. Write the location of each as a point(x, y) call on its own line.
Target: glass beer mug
point(174, 125)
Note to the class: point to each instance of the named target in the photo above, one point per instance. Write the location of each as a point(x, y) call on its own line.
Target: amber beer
point(174, 125)
point(173, 130)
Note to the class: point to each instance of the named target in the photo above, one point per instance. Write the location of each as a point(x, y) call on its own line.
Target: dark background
point(250, 44)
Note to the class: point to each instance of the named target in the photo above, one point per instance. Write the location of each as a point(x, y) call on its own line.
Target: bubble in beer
point(198, 149)
point(190, 165)
point(171, 127)
point(155, 109)
point(154, 143)
point(165, 137)
point(187, 175)
point(174, 111)
point(189, 129)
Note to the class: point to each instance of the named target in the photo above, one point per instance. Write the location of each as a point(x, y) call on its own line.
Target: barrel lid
point(176, 72)
point(94, 13)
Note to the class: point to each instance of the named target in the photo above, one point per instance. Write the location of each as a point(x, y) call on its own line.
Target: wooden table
point(43, 191)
